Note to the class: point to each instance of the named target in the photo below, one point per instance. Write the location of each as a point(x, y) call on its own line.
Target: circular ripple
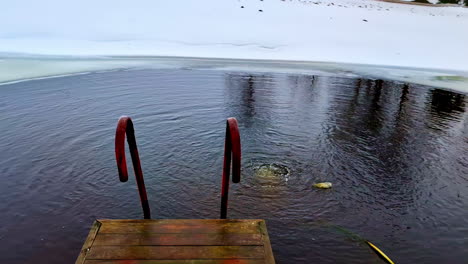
point(272, 170)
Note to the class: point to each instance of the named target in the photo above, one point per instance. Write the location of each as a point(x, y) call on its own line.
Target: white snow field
point(366, 32)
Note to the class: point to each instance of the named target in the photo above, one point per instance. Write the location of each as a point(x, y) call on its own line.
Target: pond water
point(396, 154)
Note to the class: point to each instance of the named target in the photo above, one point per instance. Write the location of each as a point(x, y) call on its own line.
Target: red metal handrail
point(232, 145)
point(125, 127)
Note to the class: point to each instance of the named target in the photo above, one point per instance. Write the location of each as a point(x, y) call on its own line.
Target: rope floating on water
point(380, 252)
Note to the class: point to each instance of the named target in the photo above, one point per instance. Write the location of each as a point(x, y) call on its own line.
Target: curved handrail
point(125, 127)
point(232, 145)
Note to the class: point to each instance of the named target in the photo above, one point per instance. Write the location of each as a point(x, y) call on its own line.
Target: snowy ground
point(343, 31)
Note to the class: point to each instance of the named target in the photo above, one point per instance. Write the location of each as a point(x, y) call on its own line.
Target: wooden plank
point(179, 261)
point(179, 221)
point(182, 241)
point(150, 239)
point(180, 226)
point(269, 259)
point(175, 252)
point(88, 242)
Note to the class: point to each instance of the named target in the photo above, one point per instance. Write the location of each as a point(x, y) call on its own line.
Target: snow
point(342, 31)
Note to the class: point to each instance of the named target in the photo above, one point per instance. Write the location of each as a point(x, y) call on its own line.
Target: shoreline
point(358, 32)
point(421, 4)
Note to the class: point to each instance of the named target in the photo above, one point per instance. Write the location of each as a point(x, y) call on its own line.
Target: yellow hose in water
point(380, 252)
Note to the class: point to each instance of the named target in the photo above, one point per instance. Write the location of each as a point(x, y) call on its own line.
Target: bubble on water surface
point(272, 170)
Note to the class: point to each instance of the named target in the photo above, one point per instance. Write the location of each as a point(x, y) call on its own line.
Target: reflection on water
point(445, 106)
point(396, 154)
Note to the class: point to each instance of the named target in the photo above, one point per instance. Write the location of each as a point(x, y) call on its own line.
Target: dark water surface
point(396, 154)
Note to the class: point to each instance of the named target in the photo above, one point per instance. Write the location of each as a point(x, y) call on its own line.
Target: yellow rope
point(380, 252)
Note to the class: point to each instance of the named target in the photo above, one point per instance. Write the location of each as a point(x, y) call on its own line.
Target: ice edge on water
point(26, 67)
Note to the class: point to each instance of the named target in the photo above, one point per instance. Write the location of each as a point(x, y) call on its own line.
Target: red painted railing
point(232, 154)
point(125, 127)
point(232, 151)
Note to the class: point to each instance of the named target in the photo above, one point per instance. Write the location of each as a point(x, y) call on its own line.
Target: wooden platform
point(177, 242)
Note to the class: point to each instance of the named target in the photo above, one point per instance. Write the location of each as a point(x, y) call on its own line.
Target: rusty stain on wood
point(174, 252)
point(177, 242)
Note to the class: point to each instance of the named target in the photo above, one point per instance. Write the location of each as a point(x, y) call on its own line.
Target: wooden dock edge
point(98, 224)
point(269, 258)
point(89, 242)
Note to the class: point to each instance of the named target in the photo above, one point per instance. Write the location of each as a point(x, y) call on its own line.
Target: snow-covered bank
point(347, 31)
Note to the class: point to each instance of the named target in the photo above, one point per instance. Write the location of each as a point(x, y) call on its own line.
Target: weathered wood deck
point(177, 242)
